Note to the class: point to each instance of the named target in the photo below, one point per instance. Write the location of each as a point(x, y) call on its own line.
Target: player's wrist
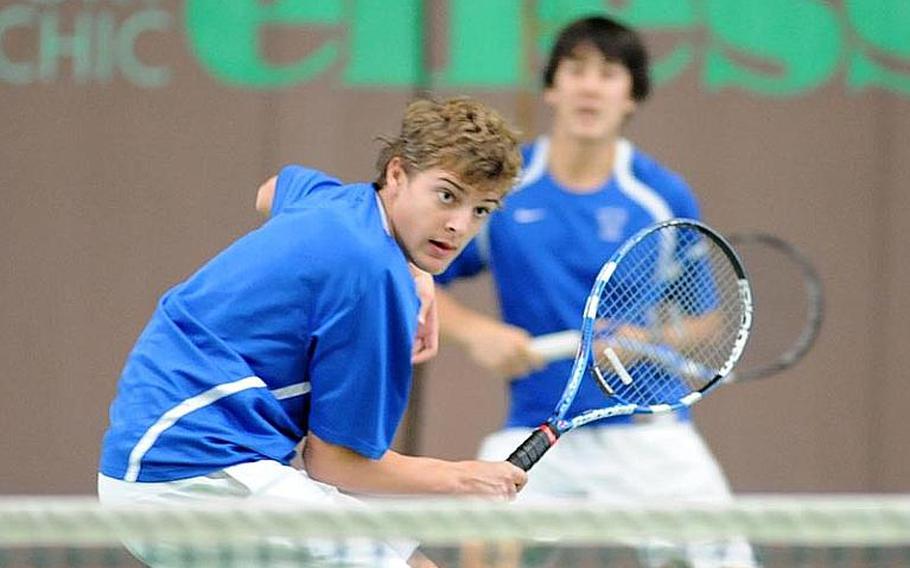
point(435, 476)
point(457, 480)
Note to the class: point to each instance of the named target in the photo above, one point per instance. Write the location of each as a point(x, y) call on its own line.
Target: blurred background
point(136, 132)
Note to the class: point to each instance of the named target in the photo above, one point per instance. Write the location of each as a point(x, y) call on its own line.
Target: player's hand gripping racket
point(680, 361)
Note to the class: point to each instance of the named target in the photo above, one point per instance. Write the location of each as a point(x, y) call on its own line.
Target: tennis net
point(819, 530)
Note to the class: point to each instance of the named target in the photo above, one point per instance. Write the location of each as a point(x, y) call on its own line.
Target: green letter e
point(226, 38)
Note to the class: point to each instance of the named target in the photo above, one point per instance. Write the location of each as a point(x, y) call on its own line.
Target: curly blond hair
point(460, 135)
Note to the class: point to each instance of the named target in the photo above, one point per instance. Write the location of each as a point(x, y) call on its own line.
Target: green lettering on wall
point(226, 38)
point(55, 45)
point(642, 14)
point(884, 27)
point(16, 72)
point(133, 69)
point(776, 48)
point(386, 43)
point(799, 40)
point(484, 44)
point(105, 31)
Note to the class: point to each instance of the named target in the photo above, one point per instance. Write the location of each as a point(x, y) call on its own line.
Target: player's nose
point(458, 222)
point(590, 82)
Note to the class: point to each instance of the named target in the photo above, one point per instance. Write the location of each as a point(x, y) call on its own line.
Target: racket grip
point(532, 449)
point(556, 346)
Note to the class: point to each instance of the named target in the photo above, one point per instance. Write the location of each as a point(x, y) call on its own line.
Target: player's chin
point(591, 134)
point(433, 267)
point(434, 261)
point(592, 131)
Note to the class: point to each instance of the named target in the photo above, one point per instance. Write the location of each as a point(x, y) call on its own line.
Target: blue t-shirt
point(304, 324)
point(545, 247)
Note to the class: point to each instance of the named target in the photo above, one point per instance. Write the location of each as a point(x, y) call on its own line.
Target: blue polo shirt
point(306, 324)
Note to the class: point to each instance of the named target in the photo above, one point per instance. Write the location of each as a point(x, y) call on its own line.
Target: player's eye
point(482, 211)
point(611, 70)
point(445, 196)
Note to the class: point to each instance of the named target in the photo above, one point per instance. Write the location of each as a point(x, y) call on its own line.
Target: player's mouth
point(442, 249)
point(587, 112)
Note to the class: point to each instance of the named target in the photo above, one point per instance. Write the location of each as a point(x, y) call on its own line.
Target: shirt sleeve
point(684, 203)
point(360, 373)
point(294, 184)
point(690, 257)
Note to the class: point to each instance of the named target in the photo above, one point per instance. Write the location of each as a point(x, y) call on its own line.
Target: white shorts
point(262, 481)
point(661, 460)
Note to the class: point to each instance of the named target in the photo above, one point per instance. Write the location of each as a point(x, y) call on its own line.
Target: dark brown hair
point(613, 40)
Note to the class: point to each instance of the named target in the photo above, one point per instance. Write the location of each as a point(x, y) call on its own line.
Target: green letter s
point(885, 25)
point(801, 38)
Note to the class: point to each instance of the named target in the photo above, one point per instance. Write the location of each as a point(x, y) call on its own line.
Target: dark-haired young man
point(584, 190)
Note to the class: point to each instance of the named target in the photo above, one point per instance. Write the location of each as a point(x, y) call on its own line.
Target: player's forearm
point(496, 346)
point(393, 473)
point(457, 322)
point(397, 473)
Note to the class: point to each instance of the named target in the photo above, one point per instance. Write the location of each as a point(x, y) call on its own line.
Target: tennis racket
point(789, 292)
point(786, 287)
point(646, 358)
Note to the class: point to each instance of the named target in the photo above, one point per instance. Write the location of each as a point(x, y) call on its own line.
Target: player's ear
point(549, 96)
point(395, 174)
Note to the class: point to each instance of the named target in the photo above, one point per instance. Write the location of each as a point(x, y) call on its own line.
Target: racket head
point(789, 291)
point(645, 353)
point(683, 263)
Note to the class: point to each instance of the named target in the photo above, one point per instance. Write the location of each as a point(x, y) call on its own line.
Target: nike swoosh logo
point(529, 215)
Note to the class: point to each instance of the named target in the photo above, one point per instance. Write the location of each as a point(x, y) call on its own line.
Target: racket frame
point(815, 302)
point(546, 435)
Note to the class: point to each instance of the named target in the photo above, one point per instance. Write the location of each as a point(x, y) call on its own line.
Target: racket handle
point(556, 346)
point(532, 449)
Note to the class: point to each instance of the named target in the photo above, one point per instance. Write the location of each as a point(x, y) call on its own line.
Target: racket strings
point(720, 278)
point(708, 284)
point(668, 318)
point(624, 333)
point(712, 348)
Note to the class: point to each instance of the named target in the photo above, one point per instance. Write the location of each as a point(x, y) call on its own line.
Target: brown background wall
point(112, 193)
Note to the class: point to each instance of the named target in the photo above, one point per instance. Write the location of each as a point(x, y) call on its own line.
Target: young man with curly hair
point(305, 329)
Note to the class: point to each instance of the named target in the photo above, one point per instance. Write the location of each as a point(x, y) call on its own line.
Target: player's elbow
point(330, 464)
point(265, 195)
point(320, 470)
